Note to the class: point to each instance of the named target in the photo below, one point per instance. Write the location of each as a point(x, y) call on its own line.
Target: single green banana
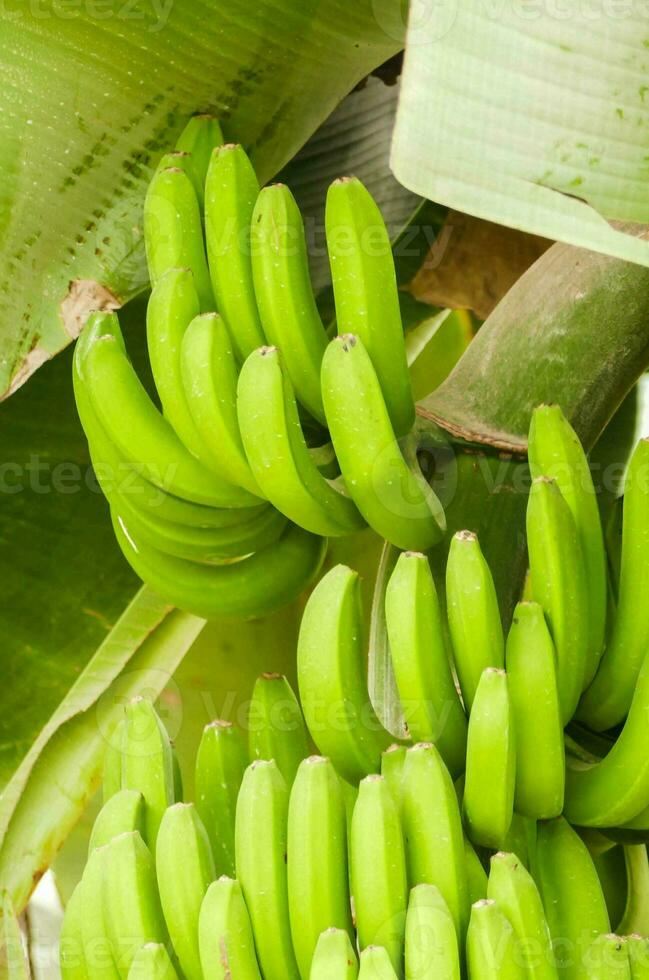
point(554, 450)
point(334, 957)
point(278, 454)
point(252, 587)
point(473, 615)
point(220, 764)
point(143, 437)
point(199, 138)
point(607, 959)
point(225, 937)
point(209, 377)
point(185, 869)
point(376, 964)
point(113, 758)
point(261, 845)
point(559, 586)
point(206, 545)
point(609, 697)
point(276, 728)
point(147, 765)
point(72, 960)
point(152, 962)
point(287, 306)
point(365, 291)
point(429, 698)
point(99, 951)
point(636, 912)
point(572, 895)
point(532, 682)
point(612, 873)
point(173, 233)
point(491, 949)
point(332, 679)
point(130, 899)
point(394, 500)
point(638, 950)
point(318, 881)
point(378, 870)
point(432, 951)
point(490, 762)
point(392, 763)
point(14, 960)
point(476, 876)
point(121, 814)
point(612, 792)
point(180, 159)
point(432, 828)
point(231, 190)
point(514, 890)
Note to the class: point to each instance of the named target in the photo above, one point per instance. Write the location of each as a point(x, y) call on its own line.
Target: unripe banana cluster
point(271, 437)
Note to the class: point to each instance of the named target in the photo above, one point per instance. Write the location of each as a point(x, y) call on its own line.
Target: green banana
point(220, 764)
point(392, 763)
point(572, 895)
point(612, 792)
point(261, 844)
point(490, 762)
point(318, 884)
point(199, 138)
point(473, 614)
point(113, 757)
point(609, 697)
point(491, 944)
point(607, 959)
point(532, 681)
point(427, 691)
point(432, 828)
point(130, 898)
point(378, 870)
point(226, 942)
point(152, 962)
point(334, 957)
point(121, 814)
point(173, 233)
point(331, 677)
point(559, 586)
point(376, 965)
point(287, 306)
point(14, 961)
point(555, 451)
point(185, 869)
point(178, 776)
point(638, 949)
point(253, 587)
point(276, 728)
point(365, 291)
point(231, 190)
point(147, 765)
point(636, 912)
point(513, 889)
point(612, 873)
point(99, 951)
point(180, 159)
point(431, 940)
point(72, 960)
point(278, 454)
point(476, 876)
point(143, 437)
point(394, 500)
point(209, 377)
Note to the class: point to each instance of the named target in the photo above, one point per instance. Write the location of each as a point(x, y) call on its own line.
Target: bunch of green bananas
point(272, 437)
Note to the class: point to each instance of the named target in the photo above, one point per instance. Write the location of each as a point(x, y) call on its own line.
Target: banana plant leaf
point(530, 115)
point(93, 93)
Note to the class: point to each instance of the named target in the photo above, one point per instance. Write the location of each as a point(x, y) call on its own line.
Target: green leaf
point(93, 93)
point(530, 118)
point(56, 780)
